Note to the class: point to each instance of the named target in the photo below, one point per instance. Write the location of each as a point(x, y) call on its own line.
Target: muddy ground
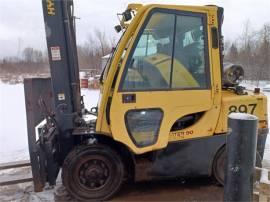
point(202, 189)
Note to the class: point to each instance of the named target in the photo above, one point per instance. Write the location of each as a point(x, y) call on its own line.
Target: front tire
point(93, 172)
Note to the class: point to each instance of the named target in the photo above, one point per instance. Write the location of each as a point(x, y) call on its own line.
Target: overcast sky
point(21, 21)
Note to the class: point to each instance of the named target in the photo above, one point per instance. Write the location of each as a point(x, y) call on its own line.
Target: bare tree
point(232, 53)
point(28, 54)
point(263, 55)
point(31, 55)
point(95, 47)
point(246, 48)
point(102, 41)
point(252, 50)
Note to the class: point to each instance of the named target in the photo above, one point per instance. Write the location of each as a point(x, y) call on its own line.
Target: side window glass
point(189, 68)
point(150, 65)
point(143, 125)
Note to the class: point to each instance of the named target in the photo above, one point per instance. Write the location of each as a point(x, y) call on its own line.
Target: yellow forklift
point(165, 95)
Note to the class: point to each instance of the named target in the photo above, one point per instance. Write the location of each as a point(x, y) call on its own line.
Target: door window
point(170, 53)
point(189, 68)
point(150, 64)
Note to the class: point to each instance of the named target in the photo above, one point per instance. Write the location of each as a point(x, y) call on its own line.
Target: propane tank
point(232, 75)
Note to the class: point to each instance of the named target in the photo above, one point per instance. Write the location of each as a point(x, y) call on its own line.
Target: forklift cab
point(164, 69)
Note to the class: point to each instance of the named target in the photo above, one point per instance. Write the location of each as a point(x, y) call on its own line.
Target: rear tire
point(219, 165)
point(93, 172)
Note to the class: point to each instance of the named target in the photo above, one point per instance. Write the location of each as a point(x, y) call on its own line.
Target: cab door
point(164, 77)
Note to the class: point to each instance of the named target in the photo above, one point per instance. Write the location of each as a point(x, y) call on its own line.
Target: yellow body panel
point(169, 100)
point(203, 128)
point(255, 104)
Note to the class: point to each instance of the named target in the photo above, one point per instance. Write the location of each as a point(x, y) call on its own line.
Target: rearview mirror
point(127, 15)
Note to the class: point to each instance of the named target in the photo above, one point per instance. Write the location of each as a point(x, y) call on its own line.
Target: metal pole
point(241, 154)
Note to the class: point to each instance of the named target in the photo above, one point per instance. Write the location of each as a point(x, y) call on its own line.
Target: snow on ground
point(13, 132)
point(13, 136)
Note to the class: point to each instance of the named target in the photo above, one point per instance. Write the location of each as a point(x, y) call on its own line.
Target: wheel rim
point(92, 174)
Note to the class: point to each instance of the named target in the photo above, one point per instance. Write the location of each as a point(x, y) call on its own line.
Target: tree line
point(33, 61)
point(251, 49)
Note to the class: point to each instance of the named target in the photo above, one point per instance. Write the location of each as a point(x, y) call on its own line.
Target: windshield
point(109, 61)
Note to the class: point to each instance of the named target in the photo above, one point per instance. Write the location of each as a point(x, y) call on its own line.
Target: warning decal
point(55, 53)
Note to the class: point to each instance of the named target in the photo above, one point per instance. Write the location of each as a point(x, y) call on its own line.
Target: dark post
point(241, 155)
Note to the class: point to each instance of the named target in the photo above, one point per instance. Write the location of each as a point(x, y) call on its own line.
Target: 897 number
point(243, 108)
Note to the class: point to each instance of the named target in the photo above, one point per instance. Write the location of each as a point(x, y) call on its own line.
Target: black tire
point(93, 172)
point(219, 165)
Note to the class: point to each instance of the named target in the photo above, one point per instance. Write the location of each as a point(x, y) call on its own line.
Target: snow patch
point(242, 116)
point(13, 128)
